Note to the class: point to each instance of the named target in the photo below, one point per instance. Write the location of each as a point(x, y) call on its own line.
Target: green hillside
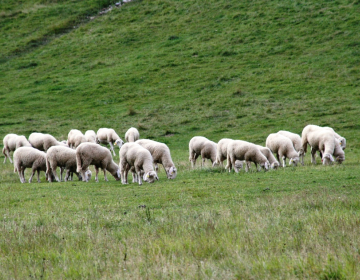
point(176, 69)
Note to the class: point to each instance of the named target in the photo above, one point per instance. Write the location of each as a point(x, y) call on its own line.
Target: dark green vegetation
point(176, 69)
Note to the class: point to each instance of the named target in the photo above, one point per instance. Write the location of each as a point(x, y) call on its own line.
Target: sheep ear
point(266, 165)
point(291, 161)
point(171, 170)
point(331, 158)
point(145, 177)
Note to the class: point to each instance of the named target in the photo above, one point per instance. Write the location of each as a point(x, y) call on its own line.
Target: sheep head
point(150, 177)
point(171, 172)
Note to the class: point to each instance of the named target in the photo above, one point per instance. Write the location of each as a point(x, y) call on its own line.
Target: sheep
point(75, 138)
point(341, 139)
point(242, 150)
point(65, 158)
point(161, 155)
point(109, 136)
point(90, 136)
point(94, 154)
point(323, 140)
point(132, 135)
point(12, 142)
point(136, 158)
point(274, 164)
point(28, 157)
point(283, 147)
point(199, 145)
point(311, 127)
point(221, 151)
point(296, 140)
point(43, 142)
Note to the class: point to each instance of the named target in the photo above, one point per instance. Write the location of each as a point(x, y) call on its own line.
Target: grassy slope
point(176, 69)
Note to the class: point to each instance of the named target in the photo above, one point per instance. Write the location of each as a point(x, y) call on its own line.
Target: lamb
point(109, 136)
point(132, 135)
point(94, 154)
point(65, 158)
point(296, 140)
point(199, 145)
point(90, 136)
point(283, 147)
point(28, 157)
point(323, 140)
point(311, 127)
point(75, 138)
point(274, 164)
point(242, 150)
point(12, 142)
point(161, 155)
point(43, 142)
point(136, 158)
point(341, 139)
point(221, 151)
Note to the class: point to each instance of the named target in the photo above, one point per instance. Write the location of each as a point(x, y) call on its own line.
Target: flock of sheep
point(42, 152)
point(283, 144)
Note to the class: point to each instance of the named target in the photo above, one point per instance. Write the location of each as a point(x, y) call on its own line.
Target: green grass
point(176, 69)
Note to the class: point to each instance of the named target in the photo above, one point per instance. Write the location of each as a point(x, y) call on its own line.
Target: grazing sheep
point(132, 135)
point(75, 138)
point(43, 142)
point(341, 139)
point(242, 150)
point(323, 140)
point(296, 140)
point(199, 145)
point(90, 136)
point(221, 151)
point(274, 164)
point(12, 142)
point(93, 154)
point(161, 155)
point(283, 147)
point(28, 157)
point(136, 158)
point(108, 136)
point(65, 158)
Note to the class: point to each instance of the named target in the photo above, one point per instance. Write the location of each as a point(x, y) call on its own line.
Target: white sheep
point(322, 140)
point(160, 153)
point(296, 140)
point(28, 157)
point(132, 135)
point(274, 164)
point(90, 136)
point(221, 151)
point(109, 136)
point(201, 146)
point(283, 147)
point(12, 142)
point(243, 150)
point(75, 138)
point(94, 154)
point(65, 158)
point(43, 142)
point(136, 158)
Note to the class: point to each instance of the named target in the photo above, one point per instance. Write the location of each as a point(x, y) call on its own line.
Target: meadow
point(177, 69)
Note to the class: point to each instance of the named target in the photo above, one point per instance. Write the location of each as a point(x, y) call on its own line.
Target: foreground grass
point(291, 223)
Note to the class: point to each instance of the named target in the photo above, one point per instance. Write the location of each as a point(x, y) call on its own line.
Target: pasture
point(177, 69)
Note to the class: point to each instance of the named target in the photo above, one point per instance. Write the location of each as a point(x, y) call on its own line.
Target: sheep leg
point(134, 177)
point(32, 175)
point(6, 153)
point(278, 157)
point(284, 161)
point(67, 175)
point(247, 166)
point(138, 172)
point(112, 148)
point(125, 176)
point(21, 174)
point(61, 173)
point(96, 174)
point(106, 179)
point(38, 176)
point(53, 168)
point(313, 153)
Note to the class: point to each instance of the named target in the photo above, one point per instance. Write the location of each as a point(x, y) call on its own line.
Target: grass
point(176, 69)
